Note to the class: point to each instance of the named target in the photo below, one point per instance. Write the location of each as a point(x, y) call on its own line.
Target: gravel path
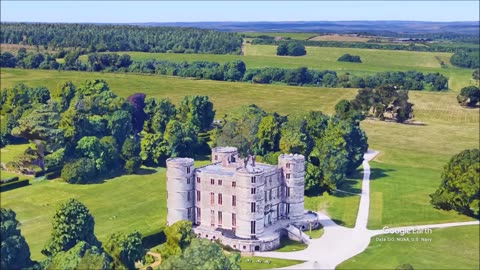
point(339, 243)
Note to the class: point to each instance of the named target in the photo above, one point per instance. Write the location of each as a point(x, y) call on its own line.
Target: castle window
point(216, 157)
point(188, 169)
point(252, 227)
point(288, 191)
point(198, 195)
point(288, 176)
point(212, 181)
point(220, 219)
point(287, 211)
point(220, 182)
point(288, 165)
point(253, 207)
point(265, 196)
point(234, 200)
point(198, 179)
point(199, 215)
point(212, 198)
point(270, 195)
point(253, 190)
point(189, 213)
point(188, 180)
point(278, 211)
point(220, 199)
point(212, 218)
point(253, 179)
point(234, 184)
point(234, 221)
point(188, 195)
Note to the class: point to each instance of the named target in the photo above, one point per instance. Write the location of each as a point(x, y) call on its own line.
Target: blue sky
point(188, 11)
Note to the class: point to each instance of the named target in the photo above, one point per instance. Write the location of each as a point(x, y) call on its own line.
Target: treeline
point(230, 71)
point(428, 47)
point(101, 38)
point(332, 145)
point(466, 59)
point(88, 133)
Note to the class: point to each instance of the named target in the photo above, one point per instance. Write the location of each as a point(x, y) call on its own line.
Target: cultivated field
point(325, 58)
point(408, 169)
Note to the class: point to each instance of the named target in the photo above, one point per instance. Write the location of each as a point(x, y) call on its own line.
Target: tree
point(181, 138)
point(7, 60)
point(282, 49)
point(469, 96)
point(349, 58)
point(15, 251)
point(476, 74)
point(202, 254)
point(234, 71)
point(130, 153)
point(296, 49)
point(344, 110)
point(72, 223)
point(80, 256)
point(153, 149)
point(179, 236)
point(125, 249)
point(137, 101)
point(404, 266)
point(459, 187)
point(197, 110)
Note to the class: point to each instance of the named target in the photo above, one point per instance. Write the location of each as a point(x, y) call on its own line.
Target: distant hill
point(373, 27)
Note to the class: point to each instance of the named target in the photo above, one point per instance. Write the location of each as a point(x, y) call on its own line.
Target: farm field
point(450, 248)
point(325, 58)
point(299, 36)
point(411, 155)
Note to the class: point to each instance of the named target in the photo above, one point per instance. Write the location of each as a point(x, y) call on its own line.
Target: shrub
point(80, 171)
point(349, 58)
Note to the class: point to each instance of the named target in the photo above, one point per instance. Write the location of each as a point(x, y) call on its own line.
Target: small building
point(246, 205)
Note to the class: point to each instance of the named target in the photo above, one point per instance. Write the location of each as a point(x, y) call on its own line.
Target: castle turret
point(293, 170)
point(225, 155)
point(250, 202)
point(180, 190)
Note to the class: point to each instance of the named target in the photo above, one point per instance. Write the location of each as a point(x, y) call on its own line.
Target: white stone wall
point(293, 171)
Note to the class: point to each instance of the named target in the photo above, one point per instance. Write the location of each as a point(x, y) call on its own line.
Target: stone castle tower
point(180, 189)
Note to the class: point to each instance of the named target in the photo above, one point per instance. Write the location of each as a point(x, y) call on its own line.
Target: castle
point(246, 205)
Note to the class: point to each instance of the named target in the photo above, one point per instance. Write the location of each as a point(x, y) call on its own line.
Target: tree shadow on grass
point(145, 171)
point(378, 174)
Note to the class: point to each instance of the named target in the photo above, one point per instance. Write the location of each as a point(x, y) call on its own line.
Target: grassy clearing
point(10, 152)
point(122, 204)
point(399, 197)
point(341, 207)
point(274, 263)
point(315, 234)
point(259, 56)
point(337, 37)
point(287, 245)
point(450, 248)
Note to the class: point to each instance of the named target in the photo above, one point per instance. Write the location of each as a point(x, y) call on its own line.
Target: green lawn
point(449, 248)
point(287, 245)
point(10, 152)
point(274, 263)
point(325, 58)
point(399, 197)
point(341, 207)
point(315, 234)
point(122, 204)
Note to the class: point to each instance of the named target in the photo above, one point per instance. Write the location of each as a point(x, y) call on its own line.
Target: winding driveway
point(339, 243)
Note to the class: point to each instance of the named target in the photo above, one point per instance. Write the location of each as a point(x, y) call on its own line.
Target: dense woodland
point(466, 59)
point(100, 38)
point(230, 71)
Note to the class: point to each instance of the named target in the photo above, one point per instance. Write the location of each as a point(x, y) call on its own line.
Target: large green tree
point(80, 256)
point(125, 249)
point(460, 186)
point(179, 236)
point(15, 253)
point(71, 224)
point(469, 96)
point(202, 254)
point(198, 110)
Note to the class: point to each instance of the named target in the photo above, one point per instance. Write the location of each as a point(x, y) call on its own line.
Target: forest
point(100, 38)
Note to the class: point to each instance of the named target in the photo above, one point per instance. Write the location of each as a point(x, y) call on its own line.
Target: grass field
point(399, 197)
point(412, 157)
point(450, 248)
point(287, 245)
point(337, 37)
point(274, 263)
point(259, 56)
point(315, 234)
point(299, 36)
